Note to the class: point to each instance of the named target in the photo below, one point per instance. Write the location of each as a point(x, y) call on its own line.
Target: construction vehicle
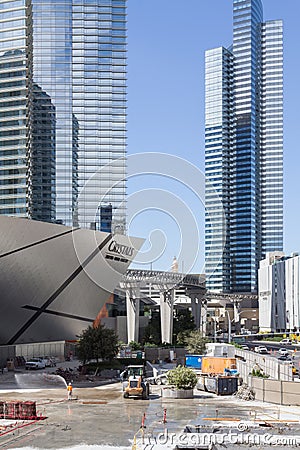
point(136, 387)
point(136, 370)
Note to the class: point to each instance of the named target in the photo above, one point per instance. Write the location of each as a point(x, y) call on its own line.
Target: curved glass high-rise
point(63, 110)
point(244, 150)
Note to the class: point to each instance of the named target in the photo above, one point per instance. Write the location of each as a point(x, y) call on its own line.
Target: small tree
point(97, 343)
point(182, 336)
point(85, 347)
point(195, 342)
point(182, 378)
point(107, 345)
point(183, 324)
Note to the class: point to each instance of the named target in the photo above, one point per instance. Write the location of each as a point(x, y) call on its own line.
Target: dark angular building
point(55, 279)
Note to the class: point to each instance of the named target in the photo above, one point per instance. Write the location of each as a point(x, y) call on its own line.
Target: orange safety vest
point(70, 388)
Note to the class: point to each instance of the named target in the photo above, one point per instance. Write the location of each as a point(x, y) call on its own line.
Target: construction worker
point(70, 390)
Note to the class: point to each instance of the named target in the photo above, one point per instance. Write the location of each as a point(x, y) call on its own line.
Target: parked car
point(245, 347)
point(49, 361)
point(285, 341)
point(261, 349)
point(35, 363)
point(283, 351)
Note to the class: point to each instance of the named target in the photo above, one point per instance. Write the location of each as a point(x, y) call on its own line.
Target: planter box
point(172, 392)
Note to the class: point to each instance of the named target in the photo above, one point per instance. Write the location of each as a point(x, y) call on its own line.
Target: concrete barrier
point(290, 393)
point(274, 391)
point(257, 385)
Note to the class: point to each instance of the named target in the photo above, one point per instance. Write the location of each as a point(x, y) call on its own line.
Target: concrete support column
point(203, 317)
point(166, 315)
point(133, 313)
point(196, 309)
point(236, 316)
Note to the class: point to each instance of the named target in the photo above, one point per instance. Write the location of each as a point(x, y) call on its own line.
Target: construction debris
point(245, 392)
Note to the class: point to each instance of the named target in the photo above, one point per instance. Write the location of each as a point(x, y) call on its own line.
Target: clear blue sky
point(166, 44)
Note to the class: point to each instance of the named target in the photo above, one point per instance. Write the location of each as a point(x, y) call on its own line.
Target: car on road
point(285, 357)
point(245, 347)
point(285, 341)
point(283, 351)
point(261, 349)
point(35, 363)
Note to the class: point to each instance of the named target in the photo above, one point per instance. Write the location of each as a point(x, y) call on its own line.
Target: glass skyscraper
point(244, 150)
point(63, 110)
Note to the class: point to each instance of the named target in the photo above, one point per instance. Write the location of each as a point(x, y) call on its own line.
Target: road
point(273, 348)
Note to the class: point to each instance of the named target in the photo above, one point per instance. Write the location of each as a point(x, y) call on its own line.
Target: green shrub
point(135, 345)
point(150, 344)
point(182, 378)
point(259, 373)
point(274, 339)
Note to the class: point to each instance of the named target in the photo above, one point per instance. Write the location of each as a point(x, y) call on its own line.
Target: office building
point(63, 110)
point(279, 294)
point(244, 150)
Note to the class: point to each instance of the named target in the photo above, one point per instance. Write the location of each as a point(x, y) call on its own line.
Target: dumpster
point(216, 365)
point(193, 361)
point(221, 385)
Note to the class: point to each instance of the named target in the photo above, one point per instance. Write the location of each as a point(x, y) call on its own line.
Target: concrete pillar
point(196, 309)
point(236, 316)
point(133, 313)
point(203, 317)
point(166, 315)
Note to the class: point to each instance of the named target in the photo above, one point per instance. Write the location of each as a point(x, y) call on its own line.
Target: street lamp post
point(215, 330)
point(239, 313)
point(214, 320)
point(229, 326)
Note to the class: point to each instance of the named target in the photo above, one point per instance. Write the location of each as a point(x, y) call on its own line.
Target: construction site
point(98, 415)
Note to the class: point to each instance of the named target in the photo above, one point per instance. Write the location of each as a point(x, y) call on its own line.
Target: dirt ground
point(99, 415)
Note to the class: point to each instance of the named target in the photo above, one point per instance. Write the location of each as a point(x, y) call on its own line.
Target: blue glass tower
point(63, 109)
point(244, 150)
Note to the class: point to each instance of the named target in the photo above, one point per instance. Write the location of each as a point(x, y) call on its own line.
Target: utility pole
point(215, 329)
point(229, 326)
